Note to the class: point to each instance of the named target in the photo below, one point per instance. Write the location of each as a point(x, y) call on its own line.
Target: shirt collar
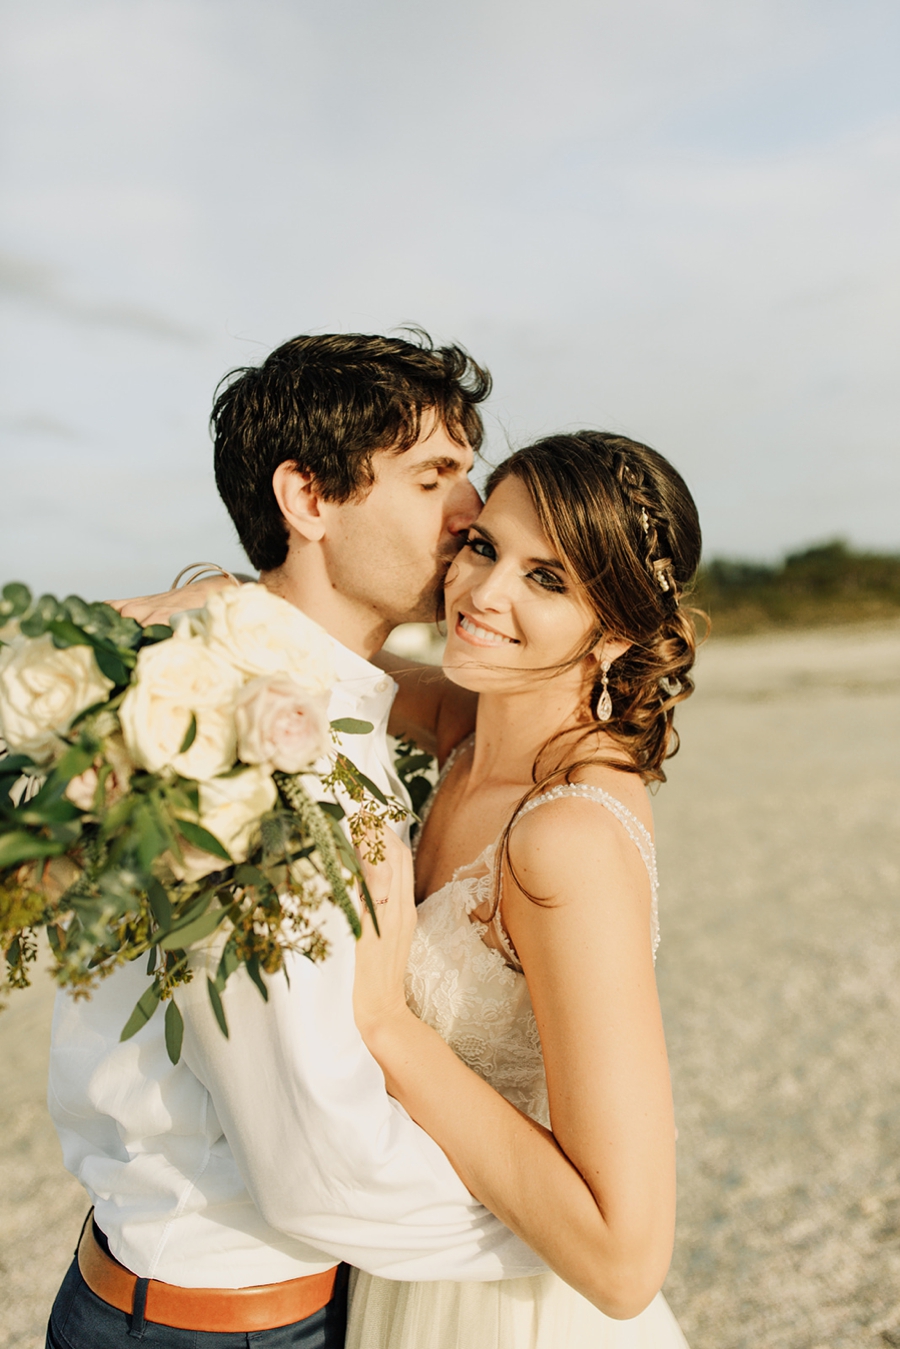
point(359, 679)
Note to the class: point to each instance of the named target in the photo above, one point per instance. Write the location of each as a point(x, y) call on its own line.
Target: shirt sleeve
point(326, 1155)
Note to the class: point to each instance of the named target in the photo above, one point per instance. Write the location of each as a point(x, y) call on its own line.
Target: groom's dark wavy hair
point(327, 404)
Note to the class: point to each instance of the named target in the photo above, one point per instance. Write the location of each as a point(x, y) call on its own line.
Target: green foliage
point(351, 726)
point(174, 1031)
point(828, 583)
point(417, 770)
point(73, 622)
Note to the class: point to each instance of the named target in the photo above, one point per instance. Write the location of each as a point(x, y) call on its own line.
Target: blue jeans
point(81, 1320)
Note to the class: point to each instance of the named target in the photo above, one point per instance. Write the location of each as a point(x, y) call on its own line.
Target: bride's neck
point(512, 728)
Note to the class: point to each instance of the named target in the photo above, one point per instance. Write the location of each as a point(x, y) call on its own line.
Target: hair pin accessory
point(660, 567)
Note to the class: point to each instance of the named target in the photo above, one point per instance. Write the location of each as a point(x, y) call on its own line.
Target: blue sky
point(677, 220)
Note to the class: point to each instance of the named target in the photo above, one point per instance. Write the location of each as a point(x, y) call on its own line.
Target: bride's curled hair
point(625, 524)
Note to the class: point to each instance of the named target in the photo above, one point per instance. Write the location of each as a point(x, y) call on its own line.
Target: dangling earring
point(604, 703)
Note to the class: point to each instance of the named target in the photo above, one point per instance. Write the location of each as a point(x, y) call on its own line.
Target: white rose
point(177, 678)
point(260, 634)
point(230, 808)
point(279, 724)
point(42, 689)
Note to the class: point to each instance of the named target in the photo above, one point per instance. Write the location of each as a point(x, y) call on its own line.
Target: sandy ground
point(780, 978)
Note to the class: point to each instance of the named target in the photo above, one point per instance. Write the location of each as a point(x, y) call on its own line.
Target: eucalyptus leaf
point(74, 761)
point(190, 734)
point(352, 726)
point(159, 903)
point(227, 965)
point(200, 905)
point(245, 874)
point(218, 1009)
point(332, 808)
point(48, 812)
point(180, 938)
point(151, 838)
point(145, 1006)
point(413, 763)
point(256, 975)
point(65, 633)
point(16, 600)
point(174, 1031)
point(156, 632)
point(202, 838)
point(111, 665)
point(419, 789)
point(19, 846)
point(14, 765)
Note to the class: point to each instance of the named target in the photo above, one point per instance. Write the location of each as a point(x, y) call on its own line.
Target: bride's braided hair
point(625, 524)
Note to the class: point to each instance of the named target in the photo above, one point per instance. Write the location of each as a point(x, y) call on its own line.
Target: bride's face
point(512, 606)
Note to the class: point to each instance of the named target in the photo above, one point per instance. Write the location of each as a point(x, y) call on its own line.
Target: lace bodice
point(474, 995)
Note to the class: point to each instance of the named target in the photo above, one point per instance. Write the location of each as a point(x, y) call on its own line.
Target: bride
point(514, 1013)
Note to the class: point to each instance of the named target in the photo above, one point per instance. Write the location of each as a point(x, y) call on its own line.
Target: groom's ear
point(299, 500)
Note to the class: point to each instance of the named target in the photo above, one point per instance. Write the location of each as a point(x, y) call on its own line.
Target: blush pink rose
point(280, 724)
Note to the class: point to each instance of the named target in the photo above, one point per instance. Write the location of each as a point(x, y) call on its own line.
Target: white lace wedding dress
point(476, 997)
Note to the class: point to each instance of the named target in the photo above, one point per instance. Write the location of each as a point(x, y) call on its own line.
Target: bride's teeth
point(481, 633)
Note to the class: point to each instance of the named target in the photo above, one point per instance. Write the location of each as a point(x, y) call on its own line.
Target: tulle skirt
point(540, 1312)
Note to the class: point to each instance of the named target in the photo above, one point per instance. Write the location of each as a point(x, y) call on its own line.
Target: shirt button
point(383, 685)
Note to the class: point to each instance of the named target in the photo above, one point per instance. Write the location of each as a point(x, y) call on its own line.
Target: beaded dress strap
point(634, 828)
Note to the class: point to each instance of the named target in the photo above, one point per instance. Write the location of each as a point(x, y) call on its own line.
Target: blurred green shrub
point(828, 583)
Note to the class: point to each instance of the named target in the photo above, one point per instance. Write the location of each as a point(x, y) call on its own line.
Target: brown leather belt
point(265, 1307)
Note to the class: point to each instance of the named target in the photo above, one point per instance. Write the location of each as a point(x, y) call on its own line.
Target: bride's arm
point(429, 708)
point(596, 1198)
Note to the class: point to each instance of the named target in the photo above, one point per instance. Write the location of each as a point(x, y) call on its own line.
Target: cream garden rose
point(174, 679)
point(230, 808)
point(279, 724)
point(260, 634)
point(42, 689)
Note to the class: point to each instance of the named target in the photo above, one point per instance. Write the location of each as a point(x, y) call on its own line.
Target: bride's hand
point(148, 609)
point(378, 997)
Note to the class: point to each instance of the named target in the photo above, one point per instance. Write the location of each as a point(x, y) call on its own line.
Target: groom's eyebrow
point(440, 461)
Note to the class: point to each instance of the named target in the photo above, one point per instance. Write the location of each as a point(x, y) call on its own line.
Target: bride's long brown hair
point(625, 523)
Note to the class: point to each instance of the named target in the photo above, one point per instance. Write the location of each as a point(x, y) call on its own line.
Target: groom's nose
point(463, 506)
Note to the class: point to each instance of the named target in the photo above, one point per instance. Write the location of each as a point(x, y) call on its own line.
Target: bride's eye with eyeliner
point(548, 580)
point(480, 547)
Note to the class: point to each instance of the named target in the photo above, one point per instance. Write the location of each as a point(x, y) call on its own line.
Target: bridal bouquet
point(159, 786)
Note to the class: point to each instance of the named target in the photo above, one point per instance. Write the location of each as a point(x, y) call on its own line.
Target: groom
point(226, 1188)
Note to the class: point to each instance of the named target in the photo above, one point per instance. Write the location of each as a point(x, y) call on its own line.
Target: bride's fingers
point(391, 877)
point(378, 877)
point(377, 874)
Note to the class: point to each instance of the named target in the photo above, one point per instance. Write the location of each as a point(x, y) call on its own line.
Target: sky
point(678, 220)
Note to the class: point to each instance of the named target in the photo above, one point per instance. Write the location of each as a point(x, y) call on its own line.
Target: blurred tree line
point(829, 583)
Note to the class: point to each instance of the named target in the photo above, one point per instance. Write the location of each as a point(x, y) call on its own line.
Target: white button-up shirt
point(276, 1152)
